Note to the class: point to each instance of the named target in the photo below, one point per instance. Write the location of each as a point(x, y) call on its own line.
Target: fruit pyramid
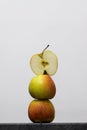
point(41, 87)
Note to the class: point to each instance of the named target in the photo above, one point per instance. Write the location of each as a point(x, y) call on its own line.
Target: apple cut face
point(45, 62)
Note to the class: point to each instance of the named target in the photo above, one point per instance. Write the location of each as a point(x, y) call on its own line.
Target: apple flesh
point(42, 87)
point(41, 111)
point(46, 60)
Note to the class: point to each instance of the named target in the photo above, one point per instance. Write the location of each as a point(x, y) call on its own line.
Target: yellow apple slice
point(45, 62)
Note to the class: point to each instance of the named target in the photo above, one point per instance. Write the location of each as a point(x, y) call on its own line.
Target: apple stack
point(41, 87)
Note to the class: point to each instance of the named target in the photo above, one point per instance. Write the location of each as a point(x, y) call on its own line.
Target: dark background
point(47, 126)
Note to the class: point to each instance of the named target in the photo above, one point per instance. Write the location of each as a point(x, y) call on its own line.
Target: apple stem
point(45, 48)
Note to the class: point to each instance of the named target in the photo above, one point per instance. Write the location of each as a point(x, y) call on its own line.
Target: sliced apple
point(45, 62)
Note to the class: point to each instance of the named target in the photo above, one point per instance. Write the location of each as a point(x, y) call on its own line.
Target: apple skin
point(42, 87)
point(41, 111)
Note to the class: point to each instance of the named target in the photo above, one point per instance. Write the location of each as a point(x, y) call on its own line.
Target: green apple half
point(44, 62)
point(41, 111)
